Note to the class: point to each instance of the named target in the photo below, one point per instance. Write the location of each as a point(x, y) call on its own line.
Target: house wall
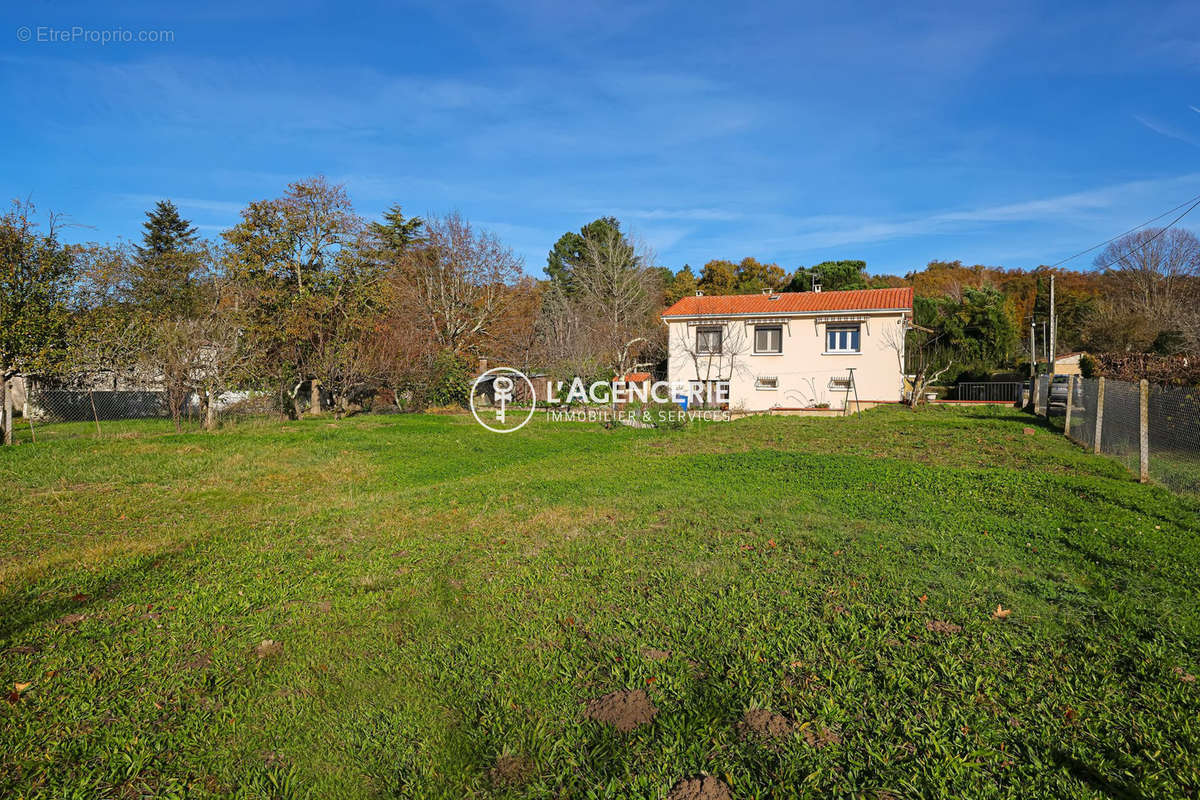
point(804, 370)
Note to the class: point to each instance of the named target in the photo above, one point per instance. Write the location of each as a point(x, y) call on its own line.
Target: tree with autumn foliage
point(36, 271)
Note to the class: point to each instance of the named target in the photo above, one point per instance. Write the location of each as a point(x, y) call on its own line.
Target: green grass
point(445, 596)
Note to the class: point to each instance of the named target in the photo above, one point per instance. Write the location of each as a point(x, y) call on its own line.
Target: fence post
point(1144, 427)
point(1070, 397)
point(1099, 414)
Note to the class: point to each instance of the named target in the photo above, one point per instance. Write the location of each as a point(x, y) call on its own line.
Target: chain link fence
point(1152, 430)
point(45, 414)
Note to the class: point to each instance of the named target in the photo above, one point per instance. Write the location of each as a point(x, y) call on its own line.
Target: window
point(839, 384)
point(768, 339)
point(766, 383)
point(708, 341)
point(842, 339)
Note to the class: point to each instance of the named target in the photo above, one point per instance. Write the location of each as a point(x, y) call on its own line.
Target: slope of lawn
point(411, 606)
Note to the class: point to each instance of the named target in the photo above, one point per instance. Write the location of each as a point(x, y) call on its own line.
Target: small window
point(840, 384)
point(766, 383)
point(708, 341)
point(768, 339)
point(842, 339)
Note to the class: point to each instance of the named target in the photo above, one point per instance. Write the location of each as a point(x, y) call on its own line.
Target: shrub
point(450, 380)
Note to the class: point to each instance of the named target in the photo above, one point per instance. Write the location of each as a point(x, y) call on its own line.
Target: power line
point(1152, 238)
point(1193, 200)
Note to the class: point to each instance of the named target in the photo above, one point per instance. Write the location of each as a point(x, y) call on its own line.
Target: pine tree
point(165, 261)
point(397, 233)
point(166, 232)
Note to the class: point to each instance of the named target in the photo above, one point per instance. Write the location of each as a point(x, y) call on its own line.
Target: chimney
point(767, 292)
point(816, 286)
point(482, 365)
point(699, 293)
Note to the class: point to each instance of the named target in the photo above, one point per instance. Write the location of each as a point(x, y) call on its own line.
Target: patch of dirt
point(268, 648)
point(819, 736)
point(510, 771)
point(72, 619)
point(650, 654)
point(1185, 677)
point(324, 606)
point(198, 661)
point(767, 724)
point(938, 626)
point(624, 710)
point(702, 788)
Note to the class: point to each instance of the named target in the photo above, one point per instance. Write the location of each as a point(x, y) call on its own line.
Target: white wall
point(803, 368)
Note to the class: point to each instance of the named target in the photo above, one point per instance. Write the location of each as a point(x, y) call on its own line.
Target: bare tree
point(457, 280)
point(918, 356)
point(617, 295)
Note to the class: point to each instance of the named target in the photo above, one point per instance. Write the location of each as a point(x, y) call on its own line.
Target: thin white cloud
point(187, 203)
point(1169, 131)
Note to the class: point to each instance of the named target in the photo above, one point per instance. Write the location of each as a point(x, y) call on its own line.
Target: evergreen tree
point(397, 233)
point(570, 248)
point(165, 261)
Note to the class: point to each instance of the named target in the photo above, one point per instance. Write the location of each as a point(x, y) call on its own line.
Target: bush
point(1088, 366)
point(450, 380)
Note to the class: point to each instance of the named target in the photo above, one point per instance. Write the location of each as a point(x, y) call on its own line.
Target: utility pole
point(1032, 348)
point(1053, 330)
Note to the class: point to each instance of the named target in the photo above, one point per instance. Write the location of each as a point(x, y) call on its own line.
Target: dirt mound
point(653, 654)
point(820, 736)
point(937, 626)
point(510, 771)
point(624, 710)
point(703, 788)
point(760, 722)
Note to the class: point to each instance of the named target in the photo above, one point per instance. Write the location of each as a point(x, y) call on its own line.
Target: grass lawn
point(411, 606)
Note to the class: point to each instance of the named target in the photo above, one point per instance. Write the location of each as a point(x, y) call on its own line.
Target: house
point(790, 350)
point(1067, 364)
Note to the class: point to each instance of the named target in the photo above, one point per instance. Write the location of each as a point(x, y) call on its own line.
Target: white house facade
point(791, 350)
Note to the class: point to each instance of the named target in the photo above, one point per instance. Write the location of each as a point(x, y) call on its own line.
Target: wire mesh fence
point(1152, 430)
point(45, 414)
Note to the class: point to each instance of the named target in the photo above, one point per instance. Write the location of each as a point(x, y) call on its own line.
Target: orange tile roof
point(793, 302)
point(635, 377)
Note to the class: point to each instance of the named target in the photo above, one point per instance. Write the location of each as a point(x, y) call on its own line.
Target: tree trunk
point(6, 413)
point(315, 398)
point(210, 411)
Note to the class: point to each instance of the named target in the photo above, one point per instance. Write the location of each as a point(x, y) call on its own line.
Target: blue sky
point(793, 132)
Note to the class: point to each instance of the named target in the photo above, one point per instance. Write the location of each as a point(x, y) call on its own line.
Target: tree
point(1154, 275)
point(457, 281)
point(165, 261)
point(36, 271)
point(718, 277)
point(752, 277)
point(618, 293)
point(920, 358)
point(301, 262)
point(834, 276)
point(682, 285)
point(397, 233)
point(570, 248)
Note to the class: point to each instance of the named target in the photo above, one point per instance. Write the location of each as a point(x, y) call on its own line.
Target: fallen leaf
point(268, 647)
point(770, 543)
point(20, 687)
point(922, 599)
point(1001, 612)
